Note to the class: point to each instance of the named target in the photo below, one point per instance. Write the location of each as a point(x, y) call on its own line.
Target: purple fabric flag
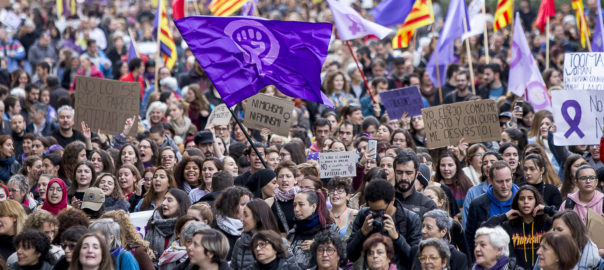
point(248, 8)
point(524, 73)
point(391, 12)
point(351, 25)
point(132, 51)
point(452, 29)
point(597, 44)
point(242, 55)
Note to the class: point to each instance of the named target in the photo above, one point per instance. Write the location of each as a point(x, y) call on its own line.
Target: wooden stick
point(485, 34)
point(440, 88)
point(469, 54)
point(546, 42)
point(360, 70)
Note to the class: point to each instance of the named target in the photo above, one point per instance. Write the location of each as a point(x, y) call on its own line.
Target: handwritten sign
point(341, 164)
point(584, 71)
point(220, 116)
point(105, 104)
point(140, 220)
point(263, 111)
point(9, 18)
point(475, 121)
point(578, 117)
point(402, 100)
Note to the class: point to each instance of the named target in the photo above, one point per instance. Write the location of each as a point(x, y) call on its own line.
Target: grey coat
point(243, 258)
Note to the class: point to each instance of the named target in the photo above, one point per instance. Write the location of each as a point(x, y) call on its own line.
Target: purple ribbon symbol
point(573, 123)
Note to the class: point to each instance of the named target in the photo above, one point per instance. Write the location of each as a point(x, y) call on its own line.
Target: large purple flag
point(452, 29)
point(597, 44)
point(391, 12)
point(241, 55)
point(525, 78)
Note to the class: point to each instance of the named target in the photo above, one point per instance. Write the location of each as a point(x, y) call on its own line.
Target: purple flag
point(452, 29)
point(242, 55)
point(597, 44)
point(248, 8)
point(391, 12)
point(132, 51)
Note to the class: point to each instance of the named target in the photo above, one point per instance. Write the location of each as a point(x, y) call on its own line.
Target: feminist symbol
point(573, 123)
point(356, 25)
point(258, 44)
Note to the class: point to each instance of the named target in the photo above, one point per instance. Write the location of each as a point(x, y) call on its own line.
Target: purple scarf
point(286, 195)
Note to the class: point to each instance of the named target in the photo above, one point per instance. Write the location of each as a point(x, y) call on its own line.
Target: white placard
point(578, 116)
point(140, 220)
point(584, 71)
point(341, 164)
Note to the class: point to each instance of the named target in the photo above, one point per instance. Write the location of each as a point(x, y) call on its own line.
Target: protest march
point(301, 134)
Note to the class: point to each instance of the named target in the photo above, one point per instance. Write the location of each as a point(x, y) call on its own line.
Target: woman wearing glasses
point(329, 251)
point(56, 197)
point(587, 197)
point(339, 193)
point(434, 254)
point(270, 252)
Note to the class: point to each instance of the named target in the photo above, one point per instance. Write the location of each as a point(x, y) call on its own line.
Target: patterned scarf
point(286, 195)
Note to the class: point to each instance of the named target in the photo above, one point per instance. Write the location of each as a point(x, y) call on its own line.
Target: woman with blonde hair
point(12, 217)
point(132, 240)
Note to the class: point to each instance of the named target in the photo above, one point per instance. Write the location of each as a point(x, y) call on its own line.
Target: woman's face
point(45, 96)
point(169, 206)
point(207, 171)
point(144, 150)
point(219, 144)
point(338, 147)
point(175, 112)
point(192, 173)
point(487, 162)
point(307, 184)
point(548, 259)
point(447, 168)
point(272, 160)
point(161, 183)
point(128, 155)
point(377, 258)
point(264, 252)
point(338, 196)
point(433, 196)
point(82, 156)
point(126, 178)
point(7, 225)
point(338, 82)
point(249, 223)
point(8, 148)
point(27, 256)
point(511, 156)
point(327, 256)
point(285, 179)
point(371, 130)
point(302, 208)
point(83, 176)
point(197, 254)
point(383, 133)
point(230, 166)
point(486, 254)
point(576, 165)
point(190, 97)
point(526, 202)
point(156, 116)
point(3, 196)
point(505, 138)
point(555, 78)
point(55, 193)
point(91, 253)
point(476, 161)
point(35, 170)
point(269, 190)
point(243, 200)
point(532, 173)
point(23, 78)
point(587, 181)
point(107, 184)
point(284, 154)
point(417, 122)
point(558, 225)
point(430, 259)
point(168, 158)
point(527, 119)
point(400, 140)
point(97, 162)
point(386, 164)
point(42, 186)
point(356, 117)
point(544, 126)
point(334, 123)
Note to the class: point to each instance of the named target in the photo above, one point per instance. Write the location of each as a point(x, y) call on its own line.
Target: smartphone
point(372, 149)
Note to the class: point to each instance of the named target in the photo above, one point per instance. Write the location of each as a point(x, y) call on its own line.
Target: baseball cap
point(93, 199)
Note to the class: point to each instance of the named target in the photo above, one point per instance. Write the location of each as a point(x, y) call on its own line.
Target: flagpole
point(440, 88)
point(486, 32)
point(158, 57)
point(360, 70)
point(469, 55)
point(247, 136)
point(546, 42)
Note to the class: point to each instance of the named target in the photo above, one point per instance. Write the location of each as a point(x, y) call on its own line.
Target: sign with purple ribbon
point(584, 71)
point(578, 117)
point(399, 101)
point(341, 164)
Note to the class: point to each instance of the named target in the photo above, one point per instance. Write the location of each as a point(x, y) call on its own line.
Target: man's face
point(322, 133)
point(462, 82)
point(488, 75)
point(502, 184)
point(164, 73)
point(255, 160)
point(405, 175)
point(222, 131)
point(381, 87)
point(414, 81)
point(207, 149)
point(44, 40)
point(17, 125)
point(34, 95)
point(379, 71)
point(345, 134)
point(27, 146)
point(93, 49)
point(399, 70)
point(65, 120)
point(158, 138)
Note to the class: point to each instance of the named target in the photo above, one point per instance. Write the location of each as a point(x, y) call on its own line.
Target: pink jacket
point(581, 208)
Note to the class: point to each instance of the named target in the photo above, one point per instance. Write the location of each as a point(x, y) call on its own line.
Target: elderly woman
point(434, 254)
point(558, 251)
point(437, 224)
point(111, 232)
point(19, 191)
point(492, 250)
point(378, 252)
point(155, 114)
point(270, 252)
point(32, 251)
point(329, 251)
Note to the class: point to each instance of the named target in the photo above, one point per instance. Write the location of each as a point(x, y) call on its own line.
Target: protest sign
point(475, 121)
point(4, 3)
point(140, 219)
point(220, 116)
point(270, 112)
point(402, 100)
point(595, 224)
point(578, 117)
point(10, 18)
point(341, 164)
point(584, 71)
point(106, 104)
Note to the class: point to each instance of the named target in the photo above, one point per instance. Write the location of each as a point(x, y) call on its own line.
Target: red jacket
point(94, 72)
point(128, 77)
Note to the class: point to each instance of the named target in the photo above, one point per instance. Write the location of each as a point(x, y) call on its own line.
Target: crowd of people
point(215, 199)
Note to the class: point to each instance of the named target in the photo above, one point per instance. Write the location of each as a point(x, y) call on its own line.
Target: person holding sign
point(375, 108)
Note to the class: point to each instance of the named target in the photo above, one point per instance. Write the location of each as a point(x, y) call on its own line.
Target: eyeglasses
point(582, 178)
point(53, 190)
point(65, 246)
point(262, 244)
point(424, 259)
point(326, 250)
point(13, 190)
point(337, 191)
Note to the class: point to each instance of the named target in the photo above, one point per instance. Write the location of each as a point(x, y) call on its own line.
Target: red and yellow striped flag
point(581, 21)
point(225, 7)
point(503, 14)
point(421, 15)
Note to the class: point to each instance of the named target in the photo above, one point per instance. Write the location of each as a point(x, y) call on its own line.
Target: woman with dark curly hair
point(73, 154)
point(32, 251)
point(329, 251)
point(229, 206)
point(71, 217)
point(187, 173)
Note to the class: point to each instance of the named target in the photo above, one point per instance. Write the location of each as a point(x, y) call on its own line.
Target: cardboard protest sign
point(584, 71)
point(578, 117)
point(220, 116)
point(106, 104)
point(140, 219)
point(595, 225)
point(341, 164)
point(402, 100)
point(9, 18)
point(4, 3)
point(475, 121)
point(263, 111)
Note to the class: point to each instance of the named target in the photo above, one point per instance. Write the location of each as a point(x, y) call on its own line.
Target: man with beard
point(66, 134)
point(494, 87)
point(406, 171)
point(255, 163)
point(17, 126)
point(322, 132)
point(346, 134)
point(204, 140)
point(462, 92)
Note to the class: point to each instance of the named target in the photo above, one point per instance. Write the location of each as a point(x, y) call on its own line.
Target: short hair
point(108, 227)
point(326, 237)
point(215, 242)
point(227, 202)
point(273, 238)
point(340, 182)
point(463, 72)
point(74, 233)
point(157, 129)
point(44, 65)
point(369, 121)
point(319, 122)
point(498, 237)
point(35, 239)
point(71, 217)
point(288, 164)
point(21, 181)
point(493, 67)
point(36, 220)
point(52, 81)
point(10, 102)
point(443, 221)
point(379, 189)
point(440, 245)
point(40, 107)
point(498, 165)
point(134, 64)
point(378, 80)
point(13, 209)
point(31, 86)
point(66, 108)
point(564, 247)
point(452, 68)
point(222, 180)
point(406, 156)
point(191, 228)
point(378, 238)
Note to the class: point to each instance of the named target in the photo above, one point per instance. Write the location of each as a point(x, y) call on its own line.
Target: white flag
point(477, 18)
point(351, 25)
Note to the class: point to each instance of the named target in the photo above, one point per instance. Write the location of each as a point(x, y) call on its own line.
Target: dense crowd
point(187, 193)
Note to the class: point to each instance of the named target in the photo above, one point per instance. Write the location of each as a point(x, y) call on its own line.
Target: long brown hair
point(460, 179)
point(106, 261)
point(151, 195)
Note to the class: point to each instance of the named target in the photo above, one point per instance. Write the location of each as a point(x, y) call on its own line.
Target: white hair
point(499, 238)
point(156, 105)
point(66, 108)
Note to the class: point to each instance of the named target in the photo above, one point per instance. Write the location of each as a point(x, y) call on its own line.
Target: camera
point(378, 220)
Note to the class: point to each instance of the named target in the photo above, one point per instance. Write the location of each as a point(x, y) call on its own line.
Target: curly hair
point(31, 238)
point(28, 163)
point(128, 233)
point(36, 220)
point(290, 165)
point(179, 170)
point(117, 193)
point(70, 159)
point(227, 202)
point(205, 211)
point(71, 217)
point(325, 238)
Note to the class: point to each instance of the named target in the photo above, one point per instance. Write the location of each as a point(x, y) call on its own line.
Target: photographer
point(388, 217)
